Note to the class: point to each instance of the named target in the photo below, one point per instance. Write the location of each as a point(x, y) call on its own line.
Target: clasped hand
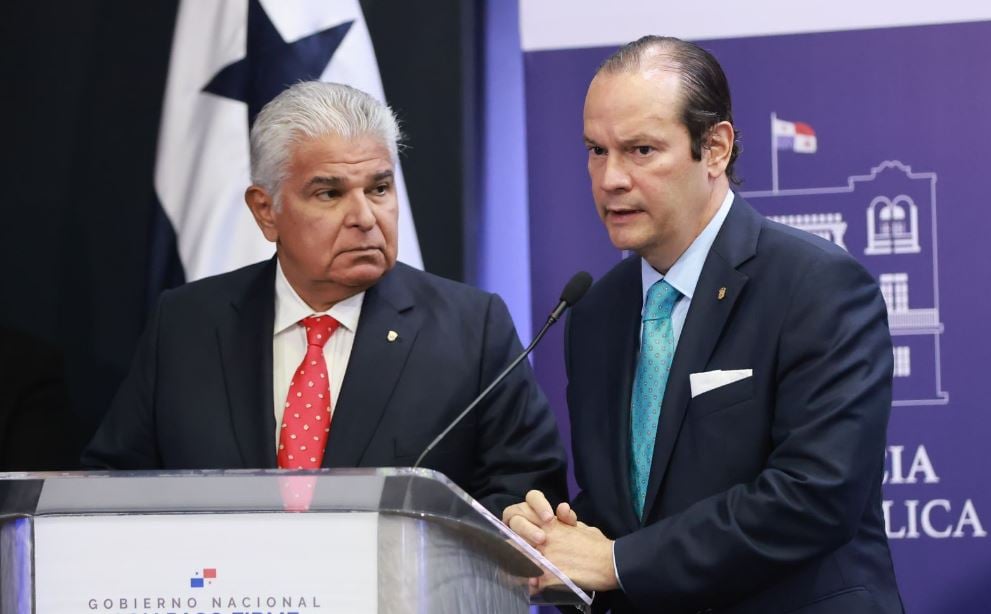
point(582, 552)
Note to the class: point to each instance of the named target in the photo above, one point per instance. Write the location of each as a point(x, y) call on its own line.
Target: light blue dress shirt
point(683, 276)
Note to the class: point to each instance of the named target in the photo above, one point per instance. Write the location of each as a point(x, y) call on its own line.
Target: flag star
point(271, 62)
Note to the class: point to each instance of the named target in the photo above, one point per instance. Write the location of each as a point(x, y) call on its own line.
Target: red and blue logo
point(207, 575)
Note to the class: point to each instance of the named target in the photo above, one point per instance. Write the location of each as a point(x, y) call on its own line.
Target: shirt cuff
point(615, 568)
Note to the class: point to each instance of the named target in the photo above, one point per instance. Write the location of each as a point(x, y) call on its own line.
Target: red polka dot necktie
point(306, 415)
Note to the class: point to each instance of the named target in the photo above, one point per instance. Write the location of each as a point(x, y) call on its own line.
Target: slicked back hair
point(704, 88)
point(311, 109)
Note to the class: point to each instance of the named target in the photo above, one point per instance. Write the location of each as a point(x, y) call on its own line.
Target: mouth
point(363, 249)
point(621, 214)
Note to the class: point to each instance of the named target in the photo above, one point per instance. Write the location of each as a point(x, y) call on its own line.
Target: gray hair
point(312, 109)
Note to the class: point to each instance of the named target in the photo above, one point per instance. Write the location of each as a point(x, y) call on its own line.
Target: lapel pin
point(721, 294)
point(392, 336)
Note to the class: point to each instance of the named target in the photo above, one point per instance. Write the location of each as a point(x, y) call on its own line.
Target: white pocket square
point(710, 380)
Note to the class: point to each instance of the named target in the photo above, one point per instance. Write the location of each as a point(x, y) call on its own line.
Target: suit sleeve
point(126, 436)
point(519, 446)
point(833, 397)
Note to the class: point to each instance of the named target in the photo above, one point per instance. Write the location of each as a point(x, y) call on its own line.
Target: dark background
point(82, 86)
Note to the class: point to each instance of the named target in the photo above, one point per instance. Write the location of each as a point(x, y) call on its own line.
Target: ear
point(263, 209)
point(719, 148)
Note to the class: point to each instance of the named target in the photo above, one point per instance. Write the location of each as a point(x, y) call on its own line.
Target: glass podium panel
point(427, 535)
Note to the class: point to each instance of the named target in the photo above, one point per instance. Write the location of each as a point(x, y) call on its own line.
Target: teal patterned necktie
point(653, 367)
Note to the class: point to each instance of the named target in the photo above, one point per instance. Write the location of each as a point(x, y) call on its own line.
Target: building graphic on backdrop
point(887, 220)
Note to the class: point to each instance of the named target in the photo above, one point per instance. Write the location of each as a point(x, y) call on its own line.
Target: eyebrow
point(635, 139)
point(338, 182)
point(332, 182)
point(640, 137)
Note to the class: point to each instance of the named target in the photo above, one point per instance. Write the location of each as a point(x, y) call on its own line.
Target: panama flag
point(229, 58)
point(794, 136)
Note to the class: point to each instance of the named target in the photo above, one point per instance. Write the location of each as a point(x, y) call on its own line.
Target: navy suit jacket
point(764, 494)
point(199, 394)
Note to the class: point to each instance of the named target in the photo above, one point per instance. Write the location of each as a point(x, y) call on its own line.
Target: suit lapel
point(621, 341)
point(374, 367)
point(246, 352)
point(718, 288)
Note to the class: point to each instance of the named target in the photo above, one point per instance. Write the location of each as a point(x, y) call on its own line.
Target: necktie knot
point(319, 329)
point(661, 298)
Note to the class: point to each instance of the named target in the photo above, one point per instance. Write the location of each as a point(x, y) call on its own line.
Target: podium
point(386, 541)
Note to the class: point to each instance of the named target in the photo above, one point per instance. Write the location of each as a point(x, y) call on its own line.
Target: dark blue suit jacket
point(199, 394)
point(764, 494)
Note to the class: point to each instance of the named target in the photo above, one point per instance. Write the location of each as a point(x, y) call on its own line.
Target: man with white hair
point(331, 354)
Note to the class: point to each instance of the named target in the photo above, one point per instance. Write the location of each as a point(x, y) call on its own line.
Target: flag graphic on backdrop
point(229, 58)
point(793, 136)
point(798, 137)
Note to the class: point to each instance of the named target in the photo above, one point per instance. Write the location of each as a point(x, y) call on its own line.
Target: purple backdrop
point(900, 116)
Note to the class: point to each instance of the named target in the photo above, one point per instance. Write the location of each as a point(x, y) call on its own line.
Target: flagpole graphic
point(774, 154)
point(798, 137)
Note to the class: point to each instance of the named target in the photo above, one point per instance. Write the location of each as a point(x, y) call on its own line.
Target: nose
point(360, 213)
point(615, 177)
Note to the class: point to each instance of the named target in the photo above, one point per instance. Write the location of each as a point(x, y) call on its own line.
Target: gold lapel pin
point(721, 294)
point(392, 336)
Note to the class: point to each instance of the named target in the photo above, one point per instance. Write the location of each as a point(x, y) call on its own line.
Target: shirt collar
point(290, 308)
point(684, 274)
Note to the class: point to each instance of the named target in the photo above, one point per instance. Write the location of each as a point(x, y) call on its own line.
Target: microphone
point(573, 291)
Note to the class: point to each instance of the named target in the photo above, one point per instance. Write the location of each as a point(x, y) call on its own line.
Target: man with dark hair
point(729, 385)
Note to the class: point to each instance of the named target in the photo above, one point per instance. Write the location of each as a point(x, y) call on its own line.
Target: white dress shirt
point(289, 342)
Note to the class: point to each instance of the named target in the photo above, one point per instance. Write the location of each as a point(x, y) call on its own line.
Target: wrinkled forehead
point(342, 144)
point(335, 148)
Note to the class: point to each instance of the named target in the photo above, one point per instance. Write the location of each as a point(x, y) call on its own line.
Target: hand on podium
point(582, 552)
